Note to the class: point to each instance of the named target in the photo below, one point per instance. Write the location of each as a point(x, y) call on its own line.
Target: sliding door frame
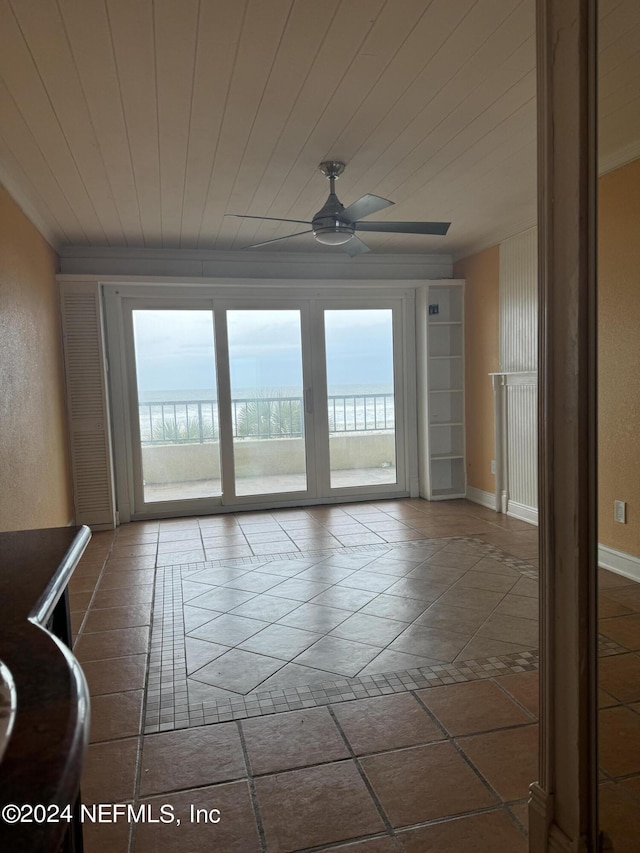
point(162, 303)
point(321, 394)
point(222, 306)
point(256, 294)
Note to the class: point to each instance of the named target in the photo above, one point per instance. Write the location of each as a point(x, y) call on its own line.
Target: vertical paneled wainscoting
point(515, 401)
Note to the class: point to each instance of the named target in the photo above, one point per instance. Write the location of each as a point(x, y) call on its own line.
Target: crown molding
point(481, 245)
point(28, 208)
point(202, 263)
point(621, 157)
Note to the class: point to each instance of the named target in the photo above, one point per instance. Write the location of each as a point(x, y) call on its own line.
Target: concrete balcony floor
point(265, 484)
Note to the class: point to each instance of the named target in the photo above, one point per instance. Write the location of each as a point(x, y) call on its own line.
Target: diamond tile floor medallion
point(248, 636)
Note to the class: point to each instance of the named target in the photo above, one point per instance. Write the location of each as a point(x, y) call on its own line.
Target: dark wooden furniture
point(45, 750)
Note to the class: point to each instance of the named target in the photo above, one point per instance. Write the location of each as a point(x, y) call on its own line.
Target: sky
point(175, 350)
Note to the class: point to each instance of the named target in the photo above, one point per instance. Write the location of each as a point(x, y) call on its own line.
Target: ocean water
point(182, 395)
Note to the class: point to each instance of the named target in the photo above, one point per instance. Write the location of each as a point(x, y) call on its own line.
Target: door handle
point(308, 401)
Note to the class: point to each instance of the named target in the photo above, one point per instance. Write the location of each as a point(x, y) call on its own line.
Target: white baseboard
point(515, 510)
point(479, 496)
point(608, 558)
point(617, 561)
point(523, 512)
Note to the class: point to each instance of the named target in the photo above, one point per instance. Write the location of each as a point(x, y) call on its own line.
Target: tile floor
point(442, 768)
point(234, 638)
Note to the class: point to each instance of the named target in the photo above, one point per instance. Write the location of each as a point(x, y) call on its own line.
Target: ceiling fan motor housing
point(329, 227)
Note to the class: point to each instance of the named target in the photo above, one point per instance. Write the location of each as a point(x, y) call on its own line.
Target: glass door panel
point(361, 397)
point(267, 401)
point(179, 427)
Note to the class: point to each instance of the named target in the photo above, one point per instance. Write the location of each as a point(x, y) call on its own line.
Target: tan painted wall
point(619, 356)
point(481, 311)
point(35, 482)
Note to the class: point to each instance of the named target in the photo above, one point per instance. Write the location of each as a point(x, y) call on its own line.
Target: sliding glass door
point(176, 405)
point(267, 401)
point(258, 403)
point(360, 397)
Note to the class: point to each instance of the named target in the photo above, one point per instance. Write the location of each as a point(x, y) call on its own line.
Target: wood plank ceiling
point(141, 123)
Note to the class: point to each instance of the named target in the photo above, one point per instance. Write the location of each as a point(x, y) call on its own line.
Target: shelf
point(446, 493)
point(445, 340)
point(450, 301)
point(447, 475)
point(441, 390)
point(445, 374)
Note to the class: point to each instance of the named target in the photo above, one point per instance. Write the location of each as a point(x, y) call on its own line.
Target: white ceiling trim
point(18, 194)
point(619, 158)
point(202, 263)
point(481, 246)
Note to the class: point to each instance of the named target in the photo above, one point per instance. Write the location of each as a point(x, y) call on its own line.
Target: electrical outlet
point(434, 309)
point(620, 511)
point(493, 466)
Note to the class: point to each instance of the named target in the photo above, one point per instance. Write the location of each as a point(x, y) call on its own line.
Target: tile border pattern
point(167, 704)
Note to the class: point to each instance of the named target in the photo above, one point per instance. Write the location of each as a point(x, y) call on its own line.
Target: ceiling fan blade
point(277, 239)
point(355, 246)
point(439, 228)
point(365, 206)
point(270, 218)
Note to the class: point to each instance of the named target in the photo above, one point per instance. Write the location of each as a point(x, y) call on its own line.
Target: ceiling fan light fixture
point(335, 235)
point(329, 228)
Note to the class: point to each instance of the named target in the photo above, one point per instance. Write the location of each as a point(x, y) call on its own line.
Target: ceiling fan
point(336, 225)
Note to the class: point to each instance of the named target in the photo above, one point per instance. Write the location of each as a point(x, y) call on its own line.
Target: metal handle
point(308, 401)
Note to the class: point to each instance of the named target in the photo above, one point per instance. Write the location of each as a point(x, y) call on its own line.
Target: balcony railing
point(196, 421)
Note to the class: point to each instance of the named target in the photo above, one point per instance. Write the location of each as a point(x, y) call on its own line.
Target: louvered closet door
point(87, 404)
